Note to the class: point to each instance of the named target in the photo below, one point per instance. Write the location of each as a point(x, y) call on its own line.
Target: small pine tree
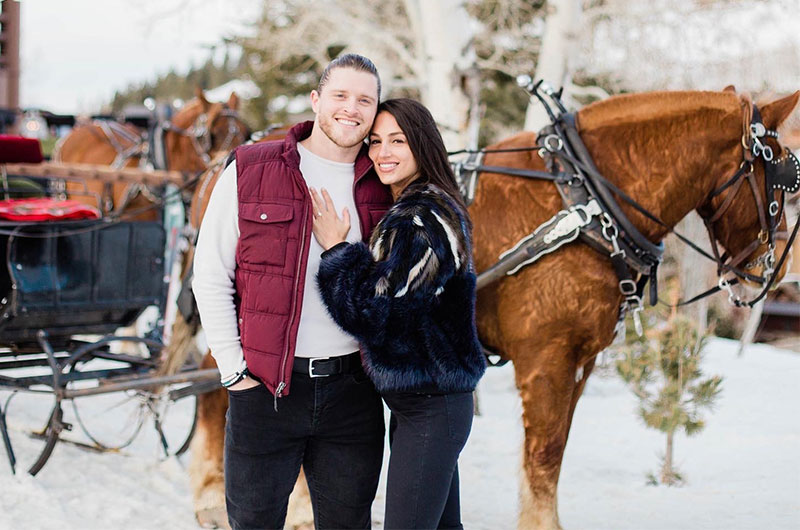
point(662, 368)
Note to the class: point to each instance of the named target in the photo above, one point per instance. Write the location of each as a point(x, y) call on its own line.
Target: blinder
point(784, 174)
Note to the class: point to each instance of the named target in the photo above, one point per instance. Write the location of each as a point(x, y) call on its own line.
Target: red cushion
point(16, 150)
point(45, 210)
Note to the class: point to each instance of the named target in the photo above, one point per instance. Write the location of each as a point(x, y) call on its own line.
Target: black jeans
point(427, 433)
point(333, 426)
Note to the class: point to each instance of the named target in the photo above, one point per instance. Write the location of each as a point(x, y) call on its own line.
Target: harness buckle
point(774, 207)
point(769, 263)
point(547, 143)
point(758, 130)
point(763, 150)
point(636, 310)
point(726, 286)
point(627, 287)
point(575, 180)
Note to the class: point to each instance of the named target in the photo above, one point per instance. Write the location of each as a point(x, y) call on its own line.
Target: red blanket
point(45, 210)
point(16, 149)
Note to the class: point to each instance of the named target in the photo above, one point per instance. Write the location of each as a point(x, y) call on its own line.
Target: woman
point(409, 298)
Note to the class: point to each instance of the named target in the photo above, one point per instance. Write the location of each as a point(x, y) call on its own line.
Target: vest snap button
point(263, 216)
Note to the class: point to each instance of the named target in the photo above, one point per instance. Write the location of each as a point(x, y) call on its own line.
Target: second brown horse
point(191, 139)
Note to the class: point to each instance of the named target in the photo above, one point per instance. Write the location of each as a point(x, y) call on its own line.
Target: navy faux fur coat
point(409, 298)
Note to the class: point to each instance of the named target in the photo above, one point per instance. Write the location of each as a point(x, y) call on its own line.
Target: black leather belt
point(325, 366)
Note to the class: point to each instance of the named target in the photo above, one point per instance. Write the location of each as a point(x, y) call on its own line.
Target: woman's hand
point(328, 228)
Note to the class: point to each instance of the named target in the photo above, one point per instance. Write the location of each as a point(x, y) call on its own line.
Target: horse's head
point(201, 130)
point(744, 210)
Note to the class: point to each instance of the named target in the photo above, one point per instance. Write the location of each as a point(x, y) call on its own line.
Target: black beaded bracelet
point(239, 377)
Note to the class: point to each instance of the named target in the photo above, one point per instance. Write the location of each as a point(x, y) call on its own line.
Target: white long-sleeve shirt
point(215, 266)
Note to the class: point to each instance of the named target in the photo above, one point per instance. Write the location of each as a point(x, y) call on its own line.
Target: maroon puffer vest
point(274, 238)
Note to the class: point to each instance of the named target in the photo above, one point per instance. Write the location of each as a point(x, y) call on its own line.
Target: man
point(297, 392)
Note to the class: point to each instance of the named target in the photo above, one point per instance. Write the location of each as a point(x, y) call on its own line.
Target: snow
point(742, 471)
point(244, 88)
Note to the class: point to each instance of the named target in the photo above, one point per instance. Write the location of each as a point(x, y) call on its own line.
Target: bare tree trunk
point(750, 329)
point(558, 43)
point(696, 272)
point(667, 473)
point(472, 86)
point(447, 54)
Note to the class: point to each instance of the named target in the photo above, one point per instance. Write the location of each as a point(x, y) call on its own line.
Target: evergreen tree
point(663, 370)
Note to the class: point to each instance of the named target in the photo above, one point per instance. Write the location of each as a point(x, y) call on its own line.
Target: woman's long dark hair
point(426, 145)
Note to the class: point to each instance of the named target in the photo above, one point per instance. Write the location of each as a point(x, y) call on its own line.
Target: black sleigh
point(67, 287)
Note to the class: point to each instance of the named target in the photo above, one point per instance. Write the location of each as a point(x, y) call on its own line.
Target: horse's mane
point(632, 109)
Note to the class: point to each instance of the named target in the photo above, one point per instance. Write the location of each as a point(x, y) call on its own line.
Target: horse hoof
point(213, 518)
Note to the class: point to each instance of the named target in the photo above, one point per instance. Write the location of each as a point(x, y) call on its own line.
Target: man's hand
point(328, 228)
point(244, 384)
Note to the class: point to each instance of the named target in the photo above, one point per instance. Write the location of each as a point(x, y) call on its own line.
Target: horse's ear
point(776, 112)
point(729, 88)
point(198, 93)
point(233, 101)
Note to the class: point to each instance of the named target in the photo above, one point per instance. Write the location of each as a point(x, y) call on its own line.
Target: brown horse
point(191, 139)
point(666, 150)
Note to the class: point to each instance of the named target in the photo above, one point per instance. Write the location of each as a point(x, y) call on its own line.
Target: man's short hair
point(350, 60)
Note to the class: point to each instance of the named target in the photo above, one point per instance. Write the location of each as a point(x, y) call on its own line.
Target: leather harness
point(591, 212)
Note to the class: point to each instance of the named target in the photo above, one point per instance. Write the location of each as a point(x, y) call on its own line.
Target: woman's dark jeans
point(333, 426)
point(427, 433)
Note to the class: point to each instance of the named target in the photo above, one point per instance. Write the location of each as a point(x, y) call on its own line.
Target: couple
point(311, 327)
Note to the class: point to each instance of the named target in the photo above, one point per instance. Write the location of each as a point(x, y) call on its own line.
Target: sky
point(76, 53)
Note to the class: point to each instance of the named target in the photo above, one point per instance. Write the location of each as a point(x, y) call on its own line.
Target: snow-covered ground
point(743, 471)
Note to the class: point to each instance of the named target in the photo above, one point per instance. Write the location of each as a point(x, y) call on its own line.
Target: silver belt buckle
point(311, 362)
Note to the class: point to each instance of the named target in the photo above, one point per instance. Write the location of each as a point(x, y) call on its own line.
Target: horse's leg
point(300, 515)
point(206, 472)
point(205, 468)
point(546, 381)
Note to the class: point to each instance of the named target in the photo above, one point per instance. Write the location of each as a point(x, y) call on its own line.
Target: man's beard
point(327, 125)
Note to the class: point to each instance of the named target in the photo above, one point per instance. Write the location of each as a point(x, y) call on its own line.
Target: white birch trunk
point(444, 31)
point(558, 43)
point(696, 272)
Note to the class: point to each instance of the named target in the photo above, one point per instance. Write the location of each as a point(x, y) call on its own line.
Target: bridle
point(202, 136)
point(780, 176)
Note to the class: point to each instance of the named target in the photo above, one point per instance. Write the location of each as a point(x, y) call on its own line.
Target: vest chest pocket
point(264, 232)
